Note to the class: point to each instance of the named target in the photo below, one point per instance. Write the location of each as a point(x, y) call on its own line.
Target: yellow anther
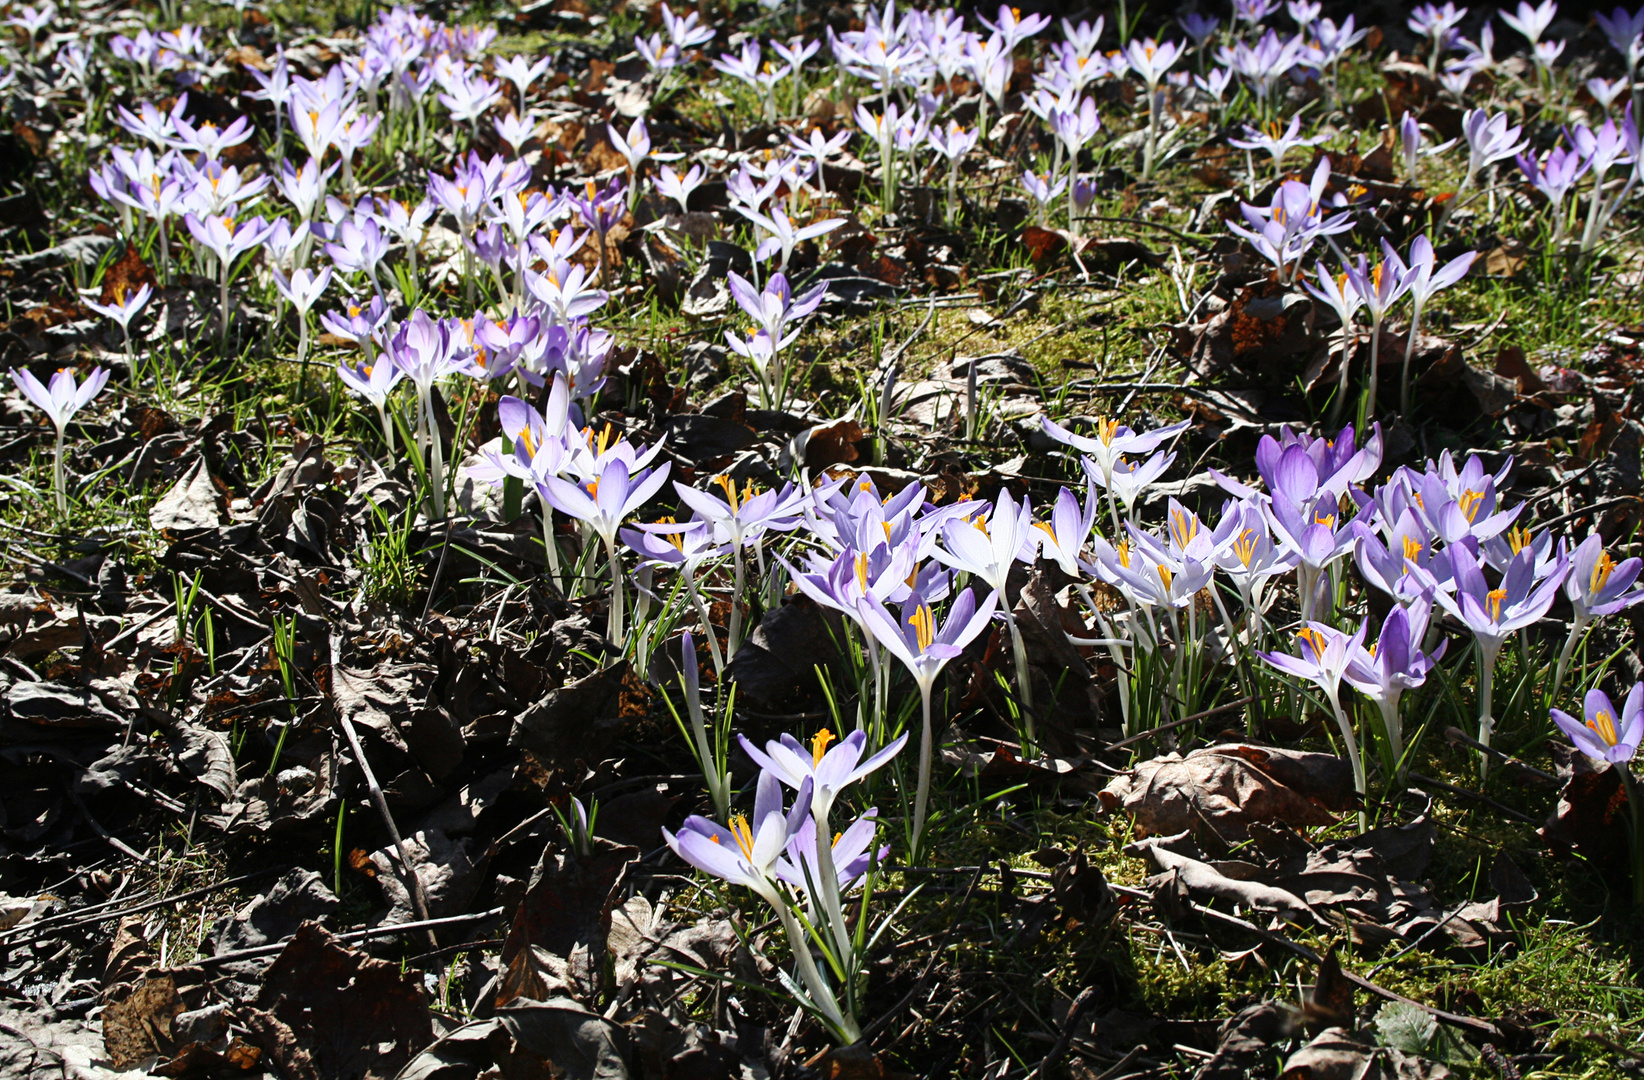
point(819, 745)
point(1603, 725)
point(1602, 569)
point(924, 627)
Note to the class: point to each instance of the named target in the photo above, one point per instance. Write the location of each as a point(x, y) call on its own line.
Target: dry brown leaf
point(1221, 790)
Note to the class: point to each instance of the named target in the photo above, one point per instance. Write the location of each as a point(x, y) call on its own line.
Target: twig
point(118, 844)
point(1468, 793)
point(1139, 736)
point(419, 898)
point(74, 920)
point(1082, 1004)
point(137, 628)
point(1622, 500)
point(1472, 1023)
point(429, 925)
point(1456, 735)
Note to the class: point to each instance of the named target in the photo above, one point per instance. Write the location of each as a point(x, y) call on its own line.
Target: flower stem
point(614, 629)
point(59, 478)
point(1354, 758)
point(921, 796)
point(1487, 654)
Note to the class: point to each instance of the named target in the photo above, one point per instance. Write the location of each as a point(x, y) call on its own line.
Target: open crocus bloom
point(1606, 735)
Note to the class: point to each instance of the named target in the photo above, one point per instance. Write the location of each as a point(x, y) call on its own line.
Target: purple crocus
point(1607, 735)
point(60, 400)
point(746, 854)
point(1324, 655)
point(1596, 586)
point(925, 647)
point(1394, 664)
point(605, 502)
point(1494, 614)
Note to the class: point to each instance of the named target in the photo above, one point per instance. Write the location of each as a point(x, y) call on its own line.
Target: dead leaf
point(1336, 1055)
point(138, 1026)
point(560, 1038)
point(333, 1013)
point(567, 913)
point(191, 503)
point(1246, 1041)
point(125, 276)
point(1591, 814)
point(1221, 790)
point(1191, 875)
point(577, 721)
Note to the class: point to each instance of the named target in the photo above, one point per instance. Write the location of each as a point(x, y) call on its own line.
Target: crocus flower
point(740, 519)
point(1275, 142)
point(228, 240)
point(1380, 287)
point(1423, 277)
point(684, 30)
point(1394, 664)
point(925, 647)
point(604, 503)
point(782, 235)
point(1625, 32)
point(1495, 614)
point(375, 383)
point(522, 73)
point(127, 303)
point(302, 289)
point(671, 185)
point(1607, 735)
point(1113, 441)
point(1531, 21)
point(851, 852)
point(746, 854)
point(1438, 24)
point(60, 400)
point(1324, 655)
point(1597, 586)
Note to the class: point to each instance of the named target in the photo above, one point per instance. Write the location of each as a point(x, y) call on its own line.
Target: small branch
point(83, 917)
point(1468, 793)
point(356, 935)
point(419, 897)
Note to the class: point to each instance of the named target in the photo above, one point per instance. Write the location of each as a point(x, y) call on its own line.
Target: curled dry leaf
point(1222, 790)
point(1193, 875)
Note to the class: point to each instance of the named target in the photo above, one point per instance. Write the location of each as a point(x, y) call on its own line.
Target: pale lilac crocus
point(1395, 663)
point(924, 647)
point(740, 519)
point(1151, 61)
point(1596, 586)
point(1493, 615)
point(1380, 287)
point(375, 383)
point(302, 290)
point(1324, 655)
point(987, 546)
point(746, 854)
point(604, 503)
point(1608, 735)
point(1422, 278)
point(60, 400)
point(427, 350)
point(127, 303)
point(827, 771)
point(783, 236)
point(227, 239)
point(671, 185)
